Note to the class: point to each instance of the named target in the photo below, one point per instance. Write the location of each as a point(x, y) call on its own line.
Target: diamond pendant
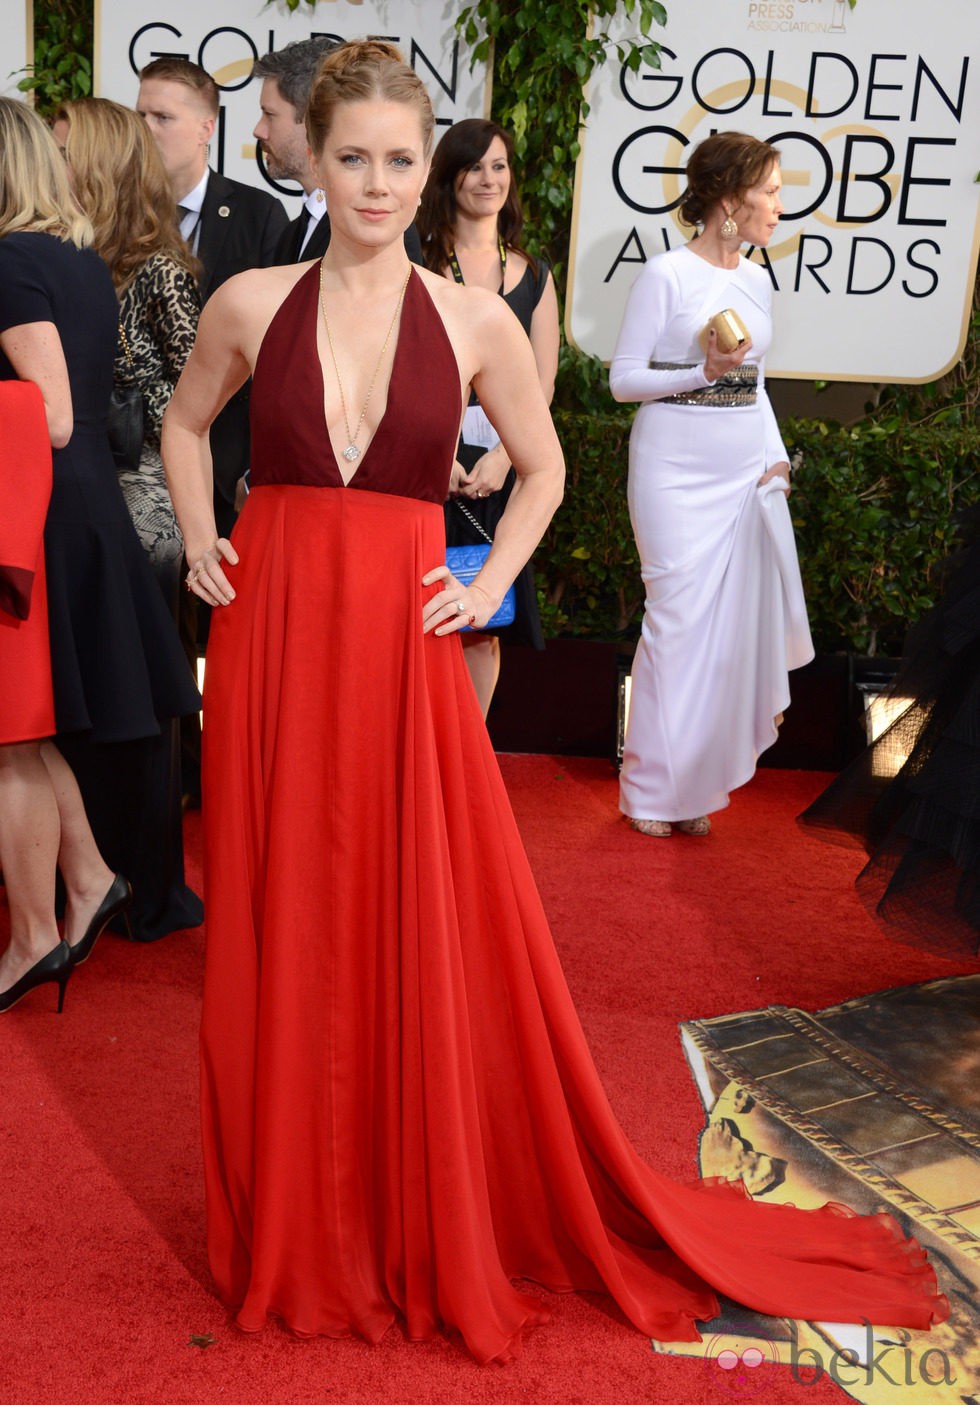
point(351, 453)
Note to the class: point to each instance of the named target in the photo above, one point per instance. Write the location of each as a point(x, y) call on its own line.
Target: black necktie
point(302, 224)
point(191, 235)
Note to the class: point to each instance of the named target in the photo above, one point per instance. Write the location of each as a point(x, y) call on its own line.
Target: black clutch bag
point(126, 422)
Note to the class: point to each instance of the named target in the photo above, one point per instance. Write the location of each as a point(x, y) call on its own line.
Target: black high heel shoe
point(56, 966)
point(118, 900)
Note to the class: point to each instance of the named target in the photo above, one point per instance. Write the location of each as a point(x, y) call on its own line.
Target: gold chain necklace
point(352, 452)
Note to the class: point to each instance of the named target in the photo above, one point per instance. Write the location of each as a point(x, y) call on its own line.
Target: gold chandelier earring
point(729, 228)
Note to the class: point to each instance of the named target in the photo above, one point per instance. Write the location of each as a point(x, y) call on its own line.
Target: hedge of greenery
point(873, 506)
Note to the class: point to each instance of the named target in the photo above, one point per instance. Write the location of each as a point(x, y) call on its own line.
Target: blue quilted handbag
point(465, 562)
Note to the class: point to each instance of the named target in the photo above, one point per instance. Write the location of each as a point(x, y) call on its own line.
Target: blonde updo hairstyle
point(365, 70)
point(724, 167)
point(34, 189)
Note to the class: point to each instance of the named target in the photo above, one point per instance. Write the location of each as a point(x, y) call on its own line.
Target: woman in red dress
point(41, 811)
point(116, 666)
point(401, 1115)
point(27, 699)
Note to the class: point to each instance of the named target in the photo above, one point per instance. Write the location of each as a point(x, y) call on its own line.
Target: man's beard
point(279, 170)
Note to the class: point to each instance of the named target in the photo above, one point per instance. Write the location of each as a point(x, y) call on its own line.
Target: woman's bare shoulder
point(262, 284)
point(471, 307)
point(242, 308)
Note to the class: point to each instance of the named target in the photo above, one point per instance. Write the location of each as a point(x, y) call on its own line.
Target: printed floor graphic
point(876, 1104)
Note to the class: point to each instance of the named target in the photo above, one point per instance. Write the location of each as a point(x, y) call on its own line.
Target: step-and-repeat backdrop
point(16, 27)
point(875, 111)
point(227, 36)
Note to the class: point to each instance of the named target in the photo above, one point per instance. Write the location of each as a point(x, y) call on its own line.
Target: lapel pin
point(224, 211)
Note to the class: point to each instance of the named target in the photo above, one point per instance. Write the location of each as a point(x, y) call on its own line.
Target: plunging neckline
point(359, 462)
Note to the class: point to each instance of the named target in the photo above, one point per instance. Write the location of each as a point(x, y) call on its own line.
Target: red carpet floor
point(104, 1292)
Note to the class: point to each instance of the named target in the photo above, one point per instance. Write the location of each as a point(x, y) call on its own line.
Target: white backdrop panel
point(16, 27)
point(226, 36)
point(875, 111)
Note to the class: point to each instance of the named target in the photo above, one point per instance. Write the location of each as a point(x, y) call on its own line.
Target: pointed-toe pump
point(56, 966)
point(118, 900)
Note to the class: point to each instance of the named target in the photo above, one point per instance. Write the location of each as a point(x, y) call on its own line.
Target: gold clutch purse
point(730, 331)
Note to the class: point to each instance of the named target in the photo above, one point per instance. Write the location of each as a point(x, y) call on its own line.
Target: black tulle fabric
point(921, 829)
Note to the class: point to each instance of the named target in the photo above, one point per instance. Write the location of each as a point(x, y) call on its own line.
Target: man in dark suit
point(287, 77)
point(230, 226)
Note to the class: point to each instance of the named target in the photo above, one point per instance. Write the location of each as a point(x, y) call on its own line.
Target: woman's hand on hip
point(206, 579)
point(455, 606)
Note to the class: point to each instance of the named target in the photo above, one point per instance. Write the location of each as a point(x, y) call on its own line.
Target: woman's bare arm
point(493, 350)
point(229, 334)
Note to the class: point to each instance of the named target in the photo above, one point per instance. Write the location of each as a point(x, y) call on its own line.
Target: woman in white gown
point(708, 481)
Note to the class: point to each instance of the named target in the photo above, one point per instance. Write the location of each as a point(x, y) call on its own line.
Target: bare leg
point(87, 876)
point(482, 655)
point(30, 835)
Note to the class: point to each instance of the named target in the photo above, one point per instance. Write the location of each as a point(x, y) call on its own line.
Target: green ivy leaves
point(62, 67)
point(544, 52)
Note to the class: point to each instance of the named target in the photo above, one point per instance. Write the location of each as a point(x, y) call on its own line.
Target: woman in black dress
point(117, 664)
point(120, 182)
point(470, 225)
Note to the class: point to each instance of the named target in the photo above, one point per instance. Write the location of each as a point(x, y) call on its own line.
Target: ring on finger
point(461, 608)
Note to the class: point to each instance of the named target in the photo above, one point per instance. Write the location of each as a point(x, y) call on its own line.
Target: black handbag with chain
point(126, 421)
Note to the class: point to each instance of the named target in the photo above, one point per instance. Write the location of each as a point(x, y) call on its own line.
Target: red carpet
point(103, 1282)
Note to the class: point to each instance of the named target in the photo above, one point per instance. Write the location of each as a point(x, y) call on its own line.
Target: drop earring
point(729, 228)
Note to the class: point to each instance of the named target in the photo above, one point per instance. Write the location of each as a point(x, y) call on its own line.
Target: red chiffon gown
point(401, 1115)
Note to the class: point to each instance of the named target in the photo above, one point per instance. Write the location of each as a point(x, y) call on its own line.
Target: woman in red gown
point(401, 1116)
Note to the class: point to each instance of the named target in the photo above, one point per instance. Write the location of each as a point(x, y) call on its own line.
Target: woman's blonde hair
point(122, 186)
point(365, 70)
point(34, 189)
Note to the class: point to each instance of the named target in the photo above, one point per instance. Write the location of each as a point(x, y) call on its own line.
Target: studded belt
point(735, 387)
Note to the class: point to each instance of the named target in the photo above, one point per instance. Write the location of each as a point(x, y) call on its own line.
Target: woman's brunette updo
point(365, 70)
point(724, 167)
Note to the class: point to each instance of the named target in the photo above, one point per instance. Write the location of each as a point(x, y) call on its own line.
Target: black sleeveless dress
point(526, 629)
point(401, 1115)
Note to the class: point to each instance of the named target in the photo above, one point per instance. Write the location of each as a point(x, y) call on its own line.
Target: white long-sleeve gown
point(725, 618)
